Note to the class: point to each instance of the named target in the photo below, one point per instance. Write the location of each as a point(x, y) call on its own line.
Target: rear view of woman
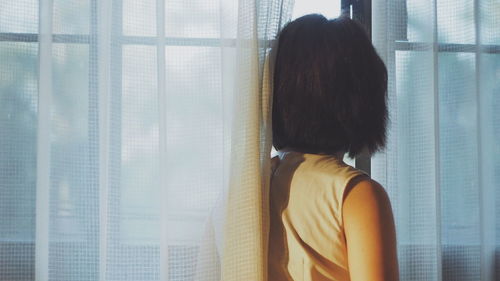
point(329, 221)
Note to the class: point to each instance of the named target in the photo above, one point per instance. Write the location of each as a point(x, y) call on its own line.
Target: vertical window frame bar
point(361, 11)
point(43, 168)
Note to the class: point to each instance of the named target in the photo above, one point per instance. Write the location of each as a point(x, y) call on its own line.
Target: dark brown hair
point(330, 88)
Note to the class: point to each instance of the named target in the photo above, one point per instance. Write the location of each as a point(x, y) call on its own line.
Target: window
point(440, 166)
point(433, 157)
point(74, 137)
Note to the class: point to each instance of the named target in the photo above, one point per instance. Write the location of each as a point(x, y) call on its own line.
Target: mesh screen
point(114, 212)
point(441, 163)
point(18, 127)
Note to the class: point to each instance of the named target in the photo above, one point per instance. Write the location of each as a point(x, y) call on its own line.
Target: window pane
point(18, 141)
point(74, 216)
point(490, 141)
point(195, 145)
point(330, 9)
point(490, 21)
point(194, 18)
point(419, 28)
point(19, 16)
point(139, 184)
point(194, 124)
point(411, 150)
point(459, 166)
point(134, 190)
point(71, 16)
point(139, 17)
point(456, 21)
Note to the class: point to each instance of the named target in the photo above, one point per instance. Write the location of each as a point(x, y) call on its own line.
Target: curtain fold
point(134, 138)
point(441, 166)
point(243, 253)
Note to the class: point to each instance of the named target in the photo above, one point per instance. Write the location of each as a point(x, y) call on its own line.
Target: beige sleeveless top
point(307, 241)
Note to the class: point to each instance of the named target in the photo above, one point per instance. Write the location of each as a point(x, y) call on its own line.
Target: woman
point(329, 221)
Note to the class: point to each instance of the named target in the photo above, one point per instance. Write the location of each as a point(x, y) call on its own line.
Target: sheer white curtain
point(442, 163)
point(121, 124)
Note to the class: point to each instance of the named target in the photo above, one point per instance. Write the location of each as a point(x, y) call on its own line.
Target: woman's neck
point(338, 154)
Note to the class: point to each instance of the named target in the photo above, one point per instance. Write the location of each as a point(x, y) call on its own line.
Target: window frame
point(360, 9)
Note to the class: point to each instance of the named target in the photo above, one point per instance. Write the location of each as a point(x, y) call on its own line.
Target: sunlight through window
point(329, 8)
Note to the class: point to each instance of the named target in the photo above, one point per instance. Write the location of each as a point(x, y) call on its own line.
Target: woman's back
point(307, 240)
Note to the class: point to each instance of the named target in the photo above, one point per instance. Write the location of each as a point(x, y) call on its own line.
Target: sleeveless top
point(306, 239)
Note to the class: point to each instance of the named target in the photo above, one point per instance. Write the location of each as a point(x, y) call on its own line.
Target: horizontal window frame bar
point(33, 37)
point(124, 40)
point(217, 42)
point(178, 41)
point(130, 40)
point(445, 47)
point(18, 37)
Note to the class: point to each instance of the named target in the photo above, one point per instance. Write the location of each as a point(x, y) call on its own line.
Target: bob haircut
point(330, 88)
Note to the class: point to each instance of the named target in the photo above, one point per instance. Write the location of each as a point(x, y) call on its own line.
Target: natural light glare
point(329, 8)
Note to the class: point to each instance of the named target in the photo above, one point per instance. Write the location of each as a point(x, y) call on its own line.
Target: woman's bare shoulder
point(370, 232)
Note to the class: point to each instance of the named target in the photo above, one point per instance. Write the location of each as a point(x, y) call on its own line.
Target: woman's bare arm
point(370, 232)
